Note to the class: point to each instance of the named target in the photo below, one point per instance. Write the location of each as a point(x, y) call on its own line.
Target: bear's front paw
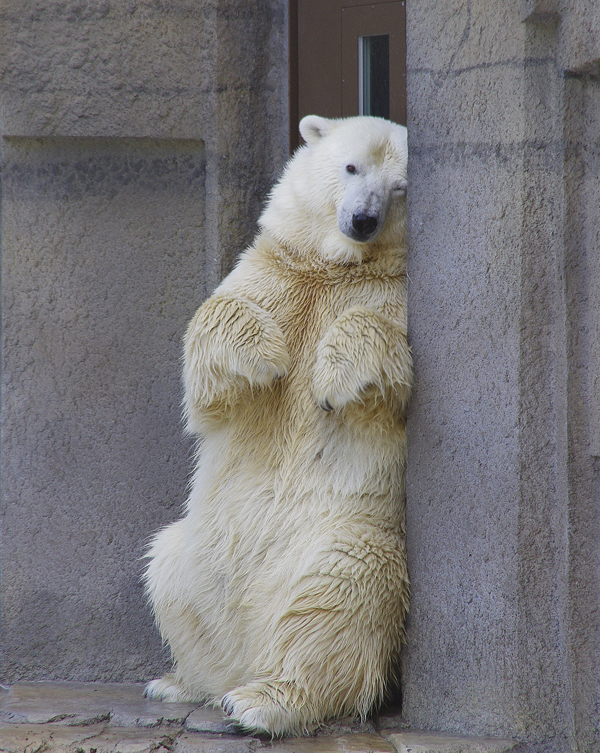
point(262, 365)
point(231, 344)
point(338, 381)
point(361, 355)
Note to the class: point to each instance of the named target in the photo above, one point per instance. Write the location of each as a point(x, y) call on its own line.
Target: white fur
point(282, 592)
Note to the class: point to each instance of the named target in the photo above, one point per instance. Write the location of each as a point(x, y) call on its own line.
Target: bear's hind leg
point(333, 648)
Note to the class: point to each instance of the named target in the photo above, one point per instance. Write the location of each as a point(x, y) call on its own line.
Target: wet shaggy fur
point(283, 590)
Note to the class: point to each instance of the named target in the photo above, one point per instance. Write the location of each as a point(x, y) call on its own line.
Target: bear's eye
point(351, 169)
point(400, 185)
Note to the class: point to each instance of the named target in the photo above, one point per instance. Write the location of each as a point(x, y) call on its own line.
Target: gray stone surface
point(358, 742)
point(144, 713)
point(135, 69)
point(579, 39)
point(207, 719)
point(582, 333)
point(116, 718)
point(101, 240)
point(78, 703)
point(88, 739)
point(139, 141)
point(190, 743)
point(503, 488)
point(390, 719)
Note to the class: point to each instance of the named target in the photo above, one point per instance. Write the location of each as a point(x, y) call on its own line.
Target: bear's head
point(343, 194)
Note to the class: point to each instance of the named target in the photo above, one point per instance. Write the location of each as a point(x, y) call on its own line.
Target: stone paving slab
point(207, 719)
point(352, 743)
point(97, 738)
point(195, 743)
point(77, 703)
point(418, 741)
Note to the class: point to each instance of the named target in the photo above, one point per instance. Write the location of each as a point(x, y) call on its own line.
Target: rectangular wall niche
point(102, 254)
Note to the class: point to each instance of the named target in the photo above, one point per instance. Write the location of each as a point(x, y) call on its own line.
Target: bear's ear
point(313, 128)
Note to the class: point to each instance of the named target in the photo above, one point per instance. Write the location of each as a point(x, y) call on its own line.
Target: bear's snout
point(363, 226)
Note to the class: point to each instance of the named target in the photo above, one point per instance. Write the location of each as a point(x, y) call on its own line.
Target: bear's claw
point(227, 704)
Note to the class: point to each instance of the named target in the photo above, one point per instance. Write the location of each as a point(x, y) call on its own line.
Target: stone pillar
point(139, 141)
point(503, 482)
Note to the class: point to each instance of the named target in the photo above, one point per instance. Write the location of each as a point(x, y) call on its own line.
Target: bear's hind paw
point(265, 707)
point(167, 689)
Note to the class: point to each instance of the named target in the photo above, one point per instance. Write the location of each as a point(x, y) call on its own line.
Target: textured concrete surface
point(101, 240)
point(582, 332)
point(503, 487)
point(89, 739)
point(114, 718)
point(139, 141)
point(136, 68)
point(463, 475)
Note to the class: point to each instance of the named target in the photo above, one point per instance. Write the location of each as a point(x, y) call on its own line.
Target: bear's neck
point(383, 262)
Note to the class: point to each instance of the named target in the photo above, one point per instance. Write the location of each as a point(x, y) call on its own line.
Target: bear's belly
point(280, 461)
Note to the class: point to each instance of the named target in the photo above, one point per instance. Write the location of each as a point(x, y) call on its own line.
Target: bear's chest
point(305, 306)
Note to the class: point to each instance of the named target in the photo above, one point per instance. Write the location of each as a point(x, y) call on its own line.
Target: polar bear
point(282, 592)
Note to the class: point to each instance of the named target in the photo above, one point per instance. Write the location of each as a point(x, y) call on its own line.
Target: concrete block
point(582, 335)
point(470, 115)
point(462, 34)
point(107, 69)
point(497, 299)
point(417, 741)
point(106, 255)
point(579, 37)
point(540, 11)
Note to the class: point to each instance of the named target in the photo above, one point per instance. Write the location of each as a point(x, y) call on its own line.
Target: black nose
point(364, 225)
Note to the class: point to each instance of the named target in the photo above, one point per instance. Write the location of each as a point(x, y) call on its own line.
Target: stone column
point(503, 485)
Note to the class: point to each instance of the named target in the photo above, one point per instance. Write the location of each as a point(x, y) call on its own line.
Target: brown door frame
point(294, 136)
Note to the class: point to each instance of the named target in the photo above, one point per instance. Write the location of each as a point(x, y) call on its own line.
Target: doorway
point(347, 57)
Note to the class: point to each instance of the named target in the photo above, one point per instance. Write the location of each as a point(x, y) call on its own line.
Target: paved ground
point(71, 717)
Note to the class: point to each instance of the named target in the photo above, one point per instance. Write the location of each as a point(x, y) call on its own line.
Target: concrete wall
point(504, 473)
point(139, 140)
